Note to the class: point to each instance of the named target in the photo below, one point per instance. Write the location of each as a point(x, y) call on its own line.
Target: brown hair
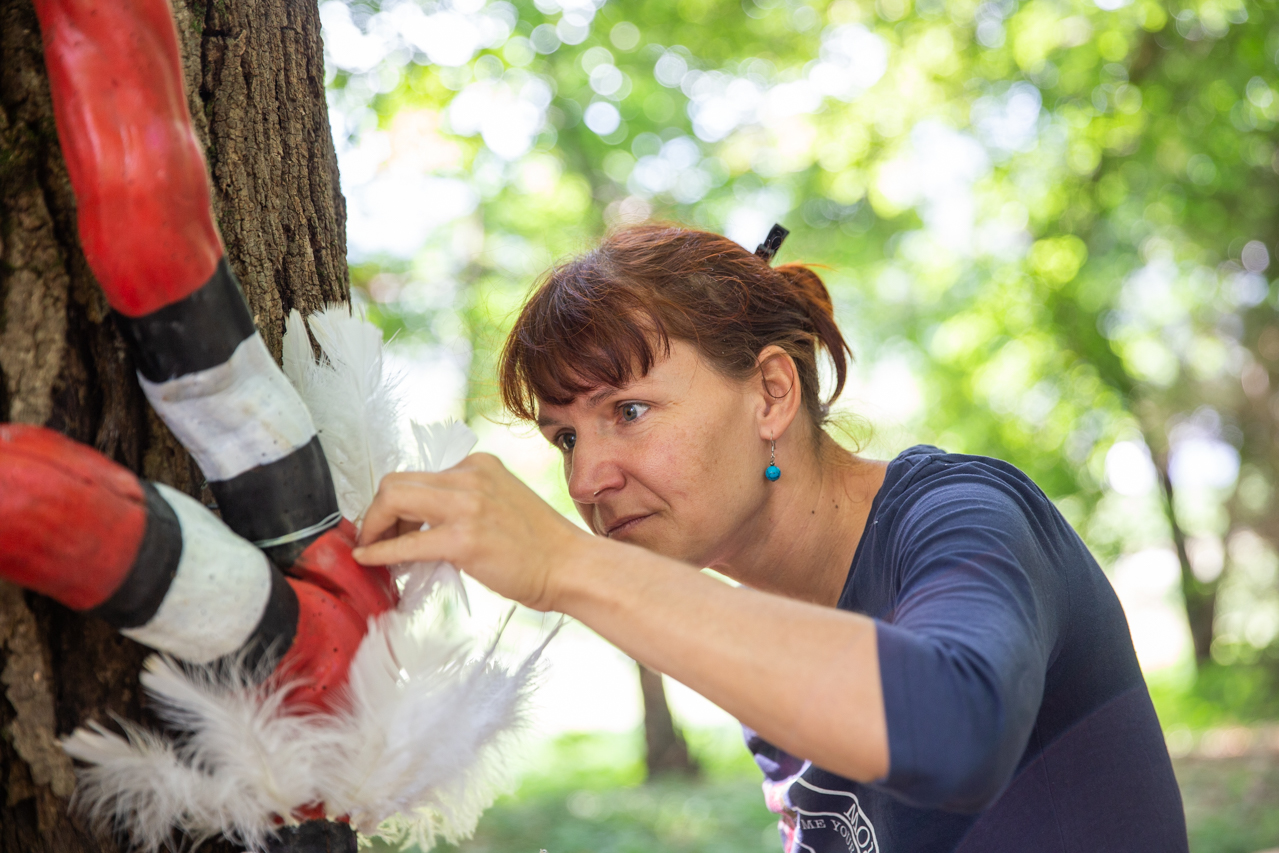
point(596, 320)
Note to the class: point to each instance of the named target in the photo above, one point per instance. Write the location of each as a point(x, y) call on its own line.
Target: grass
point(1232, 804)
point(669, 815)
point(585, 793)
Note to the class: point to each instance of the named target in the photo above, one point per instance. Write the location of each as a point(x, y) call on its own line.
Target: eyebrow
point(594, 399)
point(602, 394)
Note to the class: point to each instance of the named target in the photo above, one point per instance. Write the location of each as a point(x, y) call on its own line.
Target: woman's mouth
point(624, 525)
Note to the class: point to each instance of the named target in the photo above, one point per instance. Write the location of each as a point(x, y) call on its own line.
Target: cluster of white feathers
point(417, 752)
point(356, 410)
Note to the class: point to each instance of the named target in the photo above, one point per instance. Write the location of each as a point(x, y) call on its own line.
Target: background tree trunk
point(665, 748)
point(255, 83)
point(1198, 597)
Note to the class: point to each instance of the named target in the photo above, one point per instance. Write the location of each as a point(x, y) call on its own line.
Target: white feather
point(443, 444)
point(417, 749)
point(354, 405)
point(351, 398)
point(433, 746)
point(241, 760)
point(299, 360)
point(440, 446)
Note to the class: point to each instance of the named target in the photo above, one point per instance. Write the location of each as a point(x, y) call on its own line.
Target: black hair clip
point(771, 243)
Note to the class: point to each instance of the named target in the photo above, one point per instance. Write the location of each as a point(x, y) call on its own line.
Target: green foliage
point(585, 793)
point(1056, 219)
point(670, 815)
point(1216, 696)
point(579, 760)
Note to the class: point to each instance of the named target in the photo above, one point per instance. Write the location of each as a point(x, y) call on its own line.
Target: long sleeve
point(963, 654)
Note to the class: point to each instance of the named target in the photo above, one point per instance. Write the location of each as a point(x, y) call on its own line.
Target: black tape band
point(273, 500)
point(314, 836)
point(193, 334)
point(155, 564)
point(274, 633)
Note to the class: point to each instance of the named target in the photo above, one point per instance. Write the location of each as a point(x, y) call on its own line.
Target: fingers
point(447, 501)
point(418, 546)
point(424, 498)
point(400, 497)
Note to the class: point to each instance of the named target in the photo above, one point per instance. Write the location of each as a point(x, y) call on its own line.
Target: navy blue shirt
point(1018, 719)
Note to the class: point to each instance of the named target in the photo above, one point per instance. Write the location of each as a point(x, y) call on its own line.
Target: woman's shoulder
point(934, 505)
point(927, 479)
point(926, 466)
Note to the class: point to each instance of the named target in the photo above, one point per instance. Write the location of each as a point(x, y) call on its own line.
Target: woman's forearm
point(805, 677)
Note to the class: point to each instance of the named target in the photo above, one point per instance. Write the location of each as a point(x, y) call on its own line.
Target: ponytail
point(811, 293)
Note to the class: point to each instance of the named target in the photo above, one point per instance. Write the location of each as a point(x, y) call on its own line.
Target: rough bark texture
point(255, 81)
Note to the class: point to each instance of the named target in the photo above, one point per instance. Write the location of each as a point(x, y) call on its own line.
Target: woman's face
point(672, 462)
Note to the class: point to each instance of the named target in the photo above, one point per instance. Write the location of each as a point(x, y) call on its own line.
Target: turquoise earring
point(772, 472)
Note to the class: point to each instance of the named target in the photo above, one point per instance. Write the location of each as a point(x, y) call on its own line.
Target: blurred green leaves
point(1055, 218)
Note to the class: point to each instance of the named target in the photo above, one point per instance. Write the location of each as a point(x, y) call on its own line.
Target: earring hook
point(772, 472)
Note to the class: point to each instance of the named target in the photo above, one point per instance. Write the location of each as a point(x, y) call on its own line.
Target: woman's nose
point(592, 470)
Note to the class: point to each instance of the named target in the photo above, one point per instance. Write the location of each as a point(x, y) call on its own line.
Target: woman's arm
point(805, 677)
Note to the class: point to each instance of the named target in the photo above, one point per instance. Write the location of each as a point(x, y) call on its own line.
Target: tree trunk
point(666, 751)
point(1200, 598)
point(255, 83)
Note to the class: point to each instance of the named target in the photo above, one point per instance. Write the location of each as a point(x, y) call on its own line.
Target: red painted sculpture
point(144, 558)
point(147, 230)
point(376, 721)
point(150, 560)
point(135, 163)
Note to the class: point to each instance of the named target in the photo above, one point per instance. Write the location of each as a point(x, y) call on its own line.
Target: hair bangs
point(608, 316)
point(577, 333)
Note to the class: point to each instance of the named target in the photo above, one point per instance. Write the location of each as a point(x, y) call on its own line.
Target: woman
point(924, 653)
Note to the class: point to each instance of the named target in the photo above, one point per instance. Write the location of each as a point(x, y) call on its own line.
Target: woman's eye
point(631, 411)
point(565, 441)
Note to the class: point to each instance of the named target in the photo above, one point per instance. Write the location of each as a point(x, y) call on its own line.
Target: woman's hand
point(483, 520)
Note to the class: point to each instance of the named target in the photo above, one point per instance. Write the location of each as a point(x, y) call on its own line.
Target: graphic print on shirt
point(829, 821)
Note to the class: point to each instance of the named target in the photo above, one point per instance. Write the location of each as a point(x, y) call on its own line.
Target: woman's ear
point(780, 392)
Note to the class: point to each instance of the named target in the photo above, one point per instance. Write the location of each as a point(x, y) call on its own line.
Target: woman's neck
point(803, 545)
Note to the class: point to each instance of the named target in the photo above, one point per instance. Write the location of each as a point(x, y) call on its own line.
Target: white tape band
point(234, 417)
point(218, 594)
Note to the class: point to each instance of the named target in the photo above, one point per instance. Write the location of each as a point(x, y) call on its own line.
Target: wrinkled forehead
point(676, 369)
point(552, 413)
point(592, 365)
point(579, 333)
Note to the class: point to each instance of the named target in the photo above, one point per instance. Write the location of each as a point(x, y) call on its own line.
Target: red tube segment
point(65, 505)
point(328, 564)
point(329, 633)
point(135, 163)
point(336, 598)
point(72, 527)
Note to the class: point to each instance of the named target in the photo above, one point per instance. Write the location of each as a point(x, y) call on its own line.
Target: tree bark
point(255, 83)
point(665, 748)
